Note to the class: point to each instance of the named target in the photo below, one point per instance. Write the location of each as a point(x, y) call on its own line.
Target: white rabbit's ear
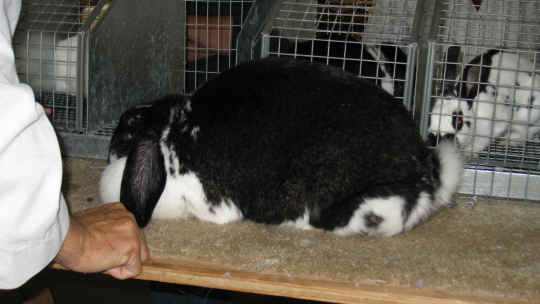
point(144, 177)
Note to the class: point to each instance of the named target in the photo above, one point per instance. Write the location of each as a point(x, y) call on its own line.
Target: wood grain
point(197, 273)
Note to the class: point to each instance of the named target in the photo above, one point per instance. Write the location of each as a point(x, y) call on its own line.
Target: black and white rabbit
point(498, 92)
point(284, 142)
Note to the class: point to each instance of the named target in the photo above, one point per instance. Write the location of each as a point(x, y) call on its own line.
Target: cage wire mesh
point(210, 41)
point(371, 39)
point(59, 54)
point(484, 89)
point(48, 46)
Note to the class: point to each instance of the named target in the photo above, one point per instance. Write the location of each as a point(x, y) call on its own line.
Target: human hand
point(104, 239)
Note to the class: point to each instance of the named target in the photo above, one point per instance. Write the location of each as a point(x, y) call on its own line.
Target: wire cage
point(372, 39)
point(483, 89)
point(212, 28)
point(48, 45)
point(51, 55)
point(87, 61)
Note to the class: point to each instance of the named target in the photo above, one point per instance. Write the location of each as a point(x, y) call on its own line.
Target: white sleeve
point(34, 219)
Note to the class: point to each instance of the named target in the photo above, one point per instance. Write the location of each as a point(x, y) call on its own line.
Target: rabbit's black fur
point(280, 141)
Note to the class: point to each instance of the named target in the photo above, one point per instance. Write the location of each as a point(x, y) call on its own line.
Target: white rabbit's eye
point(493, 91)
point(457, 120)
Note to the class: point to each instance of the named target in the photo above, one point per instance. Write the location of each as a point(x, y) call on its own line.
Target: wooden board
point(197, 273)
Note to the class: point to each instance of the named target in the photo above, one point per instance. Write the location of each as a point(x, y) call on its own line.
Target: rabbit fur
point(498, 94)
point(283, 142)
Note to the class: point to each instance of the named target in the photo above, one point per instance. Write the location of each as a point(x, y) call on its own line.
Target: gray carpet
point(489, 249)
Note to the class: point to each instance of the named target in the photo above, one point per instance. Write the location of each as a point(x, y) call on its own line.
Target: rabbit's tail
point(446, 170)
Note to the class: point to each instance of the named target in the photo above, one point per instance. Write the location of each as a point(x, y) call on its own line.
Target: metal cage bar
point(212, 28)
point(375, 40)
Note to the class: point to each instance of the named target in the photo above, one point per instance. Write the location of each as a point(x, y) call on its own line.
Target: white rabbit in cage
point(48, 61)
point(497, 94)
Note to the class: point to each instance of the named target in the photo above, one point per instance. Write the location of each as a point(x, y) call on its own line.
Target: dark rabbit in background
point(384, 65)
point(283, 142)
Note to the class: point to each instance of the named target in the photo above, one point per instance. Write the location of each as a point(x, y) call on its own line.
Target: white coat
point(33, 215)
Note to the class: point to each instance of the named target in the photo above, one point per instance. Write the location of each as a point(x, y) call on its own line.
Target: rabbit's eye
point(135, 120)
point(457, 120)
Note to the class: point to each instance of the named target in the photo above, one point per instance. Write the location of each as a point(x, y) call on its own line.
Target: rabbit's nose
point(448, 137)
point(432, 139)
point(435, 138)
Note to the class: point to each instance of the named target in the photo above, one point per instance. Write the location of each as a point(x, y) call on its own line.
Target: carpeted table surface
point(492, 248)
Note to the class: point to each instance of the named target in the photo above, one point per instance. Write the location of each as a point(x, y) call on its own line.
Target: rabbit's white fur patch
point(423, 208)
point(299, 223)
point(172, 203)
point(111, 180)
point(389, 209)
point(451, 173)
point(184, 196)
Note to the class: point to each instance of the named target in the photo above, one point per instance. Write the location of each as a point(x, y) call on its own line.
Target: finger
point(102, 210)
point(105, 214)
point(131, 268)
point(116, 205)
point(121, 273)
point(145, 254)
point(134, 264)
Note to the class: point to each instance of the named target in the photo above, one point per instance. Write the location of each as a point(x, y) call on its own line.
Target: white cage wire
point(49, 56)
point(483, 87)
point(212, 27)
point(78, 55)
point(372, 39)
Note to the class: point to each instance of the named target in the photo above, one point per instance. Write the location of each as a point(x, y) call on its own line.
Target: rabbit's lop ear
point(144, 177)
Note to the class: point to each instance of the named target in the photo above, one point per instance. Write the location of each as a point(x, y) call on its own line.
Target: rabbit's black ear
point(393, 54)
point(144, 178)
point(472, 82)
point(476, 73)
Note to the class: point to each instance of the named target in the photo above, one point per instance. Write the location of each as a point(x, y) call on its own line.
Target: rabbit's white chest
point(111, 180)
point(184, 196)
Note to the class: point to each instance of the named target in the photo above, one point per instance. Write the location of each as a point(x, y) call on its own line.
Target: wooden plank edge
point(202, 274)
